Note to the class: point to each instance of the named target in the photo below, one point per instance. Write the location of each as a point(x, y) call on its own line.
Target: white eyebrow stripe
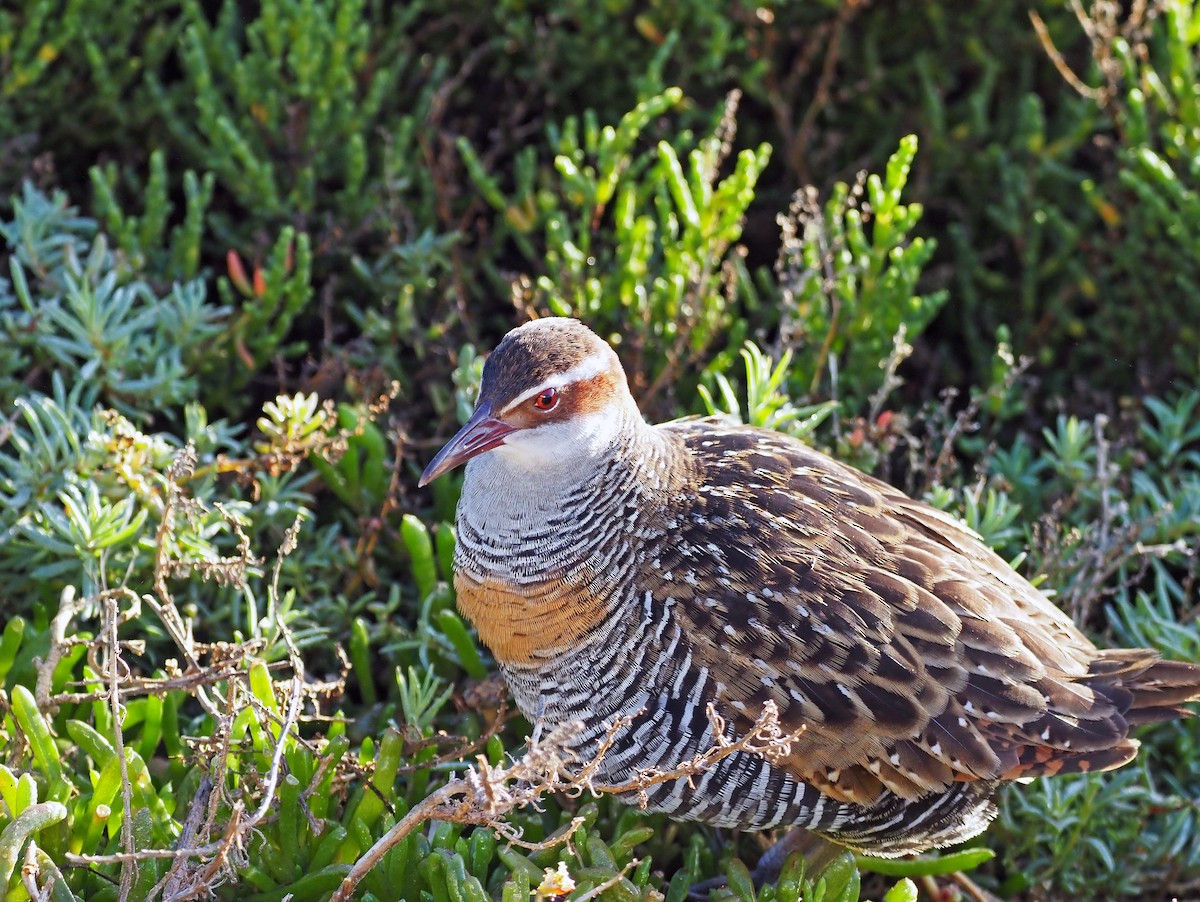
point(588, 368)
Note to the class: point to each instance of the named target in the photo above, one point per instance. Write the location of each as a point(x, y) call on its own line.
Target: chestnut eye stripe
point(588, 368)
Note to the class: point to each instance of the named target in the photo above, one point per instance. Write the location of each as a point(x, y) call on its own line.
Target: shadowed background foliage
point(284, 234)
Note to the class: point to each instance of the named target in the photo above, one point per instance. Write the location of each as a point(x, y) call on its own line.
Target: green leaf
point(45, 753)
point(904, 891)
point(29, 822)
point(935, 866)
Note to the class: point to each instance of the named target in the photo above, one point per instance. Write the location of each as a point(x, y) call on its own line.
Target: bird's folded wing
point(912, 656)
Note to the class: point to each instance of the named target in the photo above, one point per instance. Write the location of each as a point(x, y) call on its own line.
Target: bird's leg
point(971, 889)
point(818, 851)
point(538, 722)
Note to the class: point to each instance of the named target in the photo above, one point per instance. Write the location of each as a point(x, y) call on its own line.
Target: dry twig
point(486, 794)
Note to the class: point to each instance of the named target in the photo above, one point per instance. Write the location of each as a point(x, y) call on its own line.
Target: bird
point(619, 569)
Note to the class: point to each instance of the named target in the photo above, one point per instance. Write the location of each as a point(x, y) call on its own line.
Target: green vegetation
point(251, 258)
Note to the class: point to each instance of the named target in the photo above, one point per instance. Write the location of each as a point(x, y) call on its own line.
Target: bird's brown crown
point(541, 352)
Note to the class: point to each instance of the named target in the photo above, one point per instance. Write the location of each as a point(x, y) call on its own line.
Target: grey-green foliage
point(1129, 494)
point(403, 305)
point(1119, 523)
point(82, 497)
point(75, 308)
point(77, 485)
point(95, 349)
point(990, 512)
point(1077, 835)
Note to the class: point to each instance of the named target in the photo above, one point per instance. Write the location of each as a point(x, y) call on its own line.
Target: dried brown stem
point(486, 794)
point(200, 863)
point(1067, 73)
point(596, 891)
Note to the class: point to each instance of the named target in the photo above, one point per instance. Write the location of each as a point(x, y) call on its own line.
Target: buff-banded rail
point(618, 568)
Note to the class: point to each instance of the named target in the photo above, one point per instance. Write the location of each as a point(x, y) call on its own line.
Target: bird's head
point(553, 394)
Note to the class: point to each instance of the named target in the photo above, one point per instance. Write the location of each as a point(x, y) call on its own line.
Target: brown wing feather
point(912, 654)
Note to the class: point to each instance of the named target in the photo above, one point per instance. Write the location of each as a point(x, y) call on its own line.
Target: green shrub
point(848, 274)
point(638, 242)
point(299, 225)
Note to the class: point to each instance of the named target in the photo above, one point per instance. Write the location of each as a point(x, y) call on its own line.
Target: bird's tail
point(1158, 689)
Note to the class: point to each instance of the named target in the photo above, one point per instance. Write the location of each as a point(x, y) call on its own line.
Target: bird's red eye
point(547, 400)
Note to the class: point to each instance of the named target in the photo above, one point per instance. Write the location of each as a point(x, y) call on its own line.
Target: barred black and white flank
point(615, 567)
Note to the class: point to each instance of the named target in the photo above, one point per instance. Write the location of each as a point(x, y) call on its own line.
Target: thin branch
point(596, 891)
point(1067, 73)
point(487, 793)
point(128, 869)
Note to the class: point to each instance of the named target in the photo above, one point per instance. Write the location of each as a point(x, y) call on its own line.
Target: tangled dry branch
point(486, 794)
